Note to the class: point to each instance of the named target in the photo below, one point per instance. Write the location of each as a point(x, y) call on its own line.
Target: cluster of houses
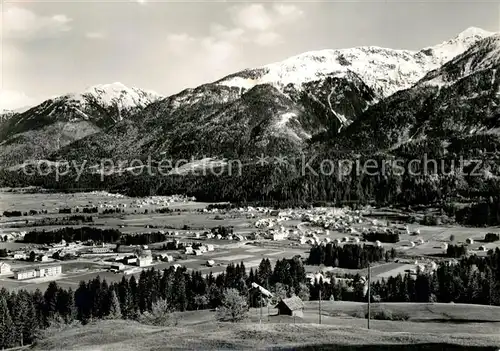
point(161, 200)
point(199, 249)
point(45, 252)
point(12, 236)
point(141, 258)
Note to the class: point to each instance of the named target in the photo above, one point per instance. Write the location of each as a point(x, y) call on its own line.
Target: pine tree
point(30, 321)
point(20, 316)
point(38, 304)
point(50, 298)
point(83, 303)
point(7, 333)
point(115, 311)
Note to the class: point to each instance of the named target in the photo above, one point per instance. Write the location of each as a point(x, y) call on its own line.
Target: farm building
point(292, 306)
point(4, 268)
point(25, 274)
point(39, 272)
point(317, 277)
point(276, 236)
point(210, 263)
point(118, 266)
point(165, 257)
point(144, 261)
point(101, 250)
point(49, 271)
point(131, 260)
point(469, 241)
point(210, 247)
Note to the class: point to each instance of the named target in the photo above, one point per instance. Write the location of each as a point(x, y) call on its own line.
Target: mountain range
point(365, 97)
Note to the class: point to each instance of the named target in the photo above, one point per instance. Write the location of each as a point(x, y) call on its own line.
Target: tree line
point(348, 256)
point(290, 185)
point(471, 280)
point(70, 234)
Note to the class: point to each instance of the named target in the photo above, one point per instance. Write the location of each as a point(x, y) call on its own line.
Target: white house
point(210, 247)
point(49, 271)
point(25, 274)
point(144, 261)
point(278, 236)
point(4, 268)
point(39, 272)
point(20, 256)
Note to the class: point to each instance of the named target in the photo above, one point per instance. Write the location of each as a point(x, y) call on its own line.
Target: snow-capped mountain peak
point(484, 55)
point(384, 70)
point(450, 49)
point(474, 32)
point(116, 94)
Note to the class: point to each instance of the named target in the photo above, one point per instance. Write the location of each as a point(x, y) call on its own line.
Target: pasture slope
point(466, 327)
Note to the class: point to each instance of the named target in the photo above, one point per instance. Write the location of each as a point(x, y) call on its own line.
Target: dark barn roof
point(294, 303)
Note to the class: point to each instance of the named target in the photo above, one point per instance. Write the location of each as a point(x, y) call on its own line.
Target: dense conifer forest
point(470, 280)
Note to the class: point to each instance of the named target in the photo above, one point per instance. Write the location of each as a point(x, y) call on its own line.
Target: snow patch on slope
point(284, 118)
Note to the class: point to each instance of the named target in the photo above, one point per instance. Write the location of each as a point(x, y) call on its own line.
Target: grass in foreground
point(126, 335)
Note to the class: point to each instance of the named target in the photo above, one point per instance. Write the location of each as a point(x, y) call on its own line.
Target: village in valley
point(159, 232)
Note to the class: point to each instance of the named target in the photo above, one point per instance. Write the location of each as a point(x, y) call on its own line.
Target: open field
point(47, 201)
point(337, 334)
point(438, 317)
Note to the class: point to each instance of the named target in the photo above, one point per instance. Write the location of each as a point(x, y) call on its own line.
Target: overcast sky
point(52, 48)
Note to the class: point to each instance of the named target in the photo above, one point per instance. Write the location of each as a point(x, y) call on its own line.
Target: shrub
point(161, 315)
point(234, 307)
point(491, 237)
point(382, 236)
point(430, 220)
point(456, 251)
point(56, 325)
point(384, 314)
